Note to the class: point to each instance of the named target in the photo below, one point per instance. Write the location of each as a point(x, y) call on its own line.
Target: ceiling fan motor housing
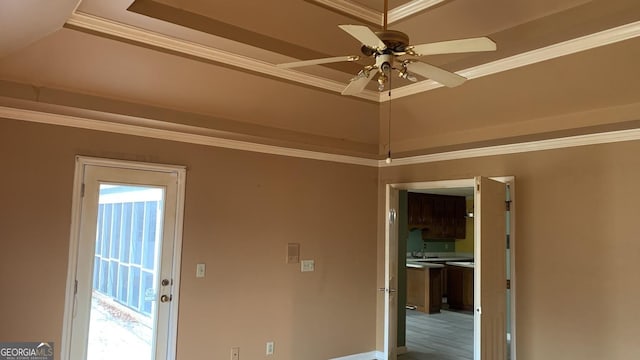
point(396, 42)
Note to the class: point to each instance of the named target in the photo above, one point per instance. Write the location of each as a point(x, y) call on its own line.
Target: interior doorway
point(473, 327)
point(438, 276)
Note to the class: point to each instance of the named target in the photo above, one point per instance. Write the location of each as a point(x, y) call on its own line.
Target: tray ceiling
point(562, 67)
point(256, 35)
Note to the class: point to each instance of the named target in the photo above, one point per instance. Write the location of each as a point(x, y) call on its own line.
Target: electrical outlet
point(270, 348)
point(200, 270)
point(235, 353)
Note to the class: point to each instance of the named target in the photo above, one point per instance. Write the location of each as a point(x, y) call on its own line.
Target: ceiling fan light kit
point(388, 46)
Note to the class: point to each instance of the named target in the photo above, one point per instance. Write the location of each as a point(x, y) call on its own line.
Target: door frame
point(74, 241)
point(391, 240)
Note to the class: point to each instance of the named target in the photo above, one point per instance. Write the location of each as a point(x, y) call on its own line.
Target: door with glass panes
point(127, 261)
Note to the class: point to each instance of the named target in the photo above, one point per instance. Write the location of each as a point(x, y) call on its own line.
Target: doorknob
point(165, 298)
point(165, 282)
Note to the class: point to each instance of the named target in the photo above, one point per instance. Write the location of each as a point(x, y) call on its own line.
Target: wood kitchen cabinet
point(439, 216)
point(460, 287)
point(424, 288)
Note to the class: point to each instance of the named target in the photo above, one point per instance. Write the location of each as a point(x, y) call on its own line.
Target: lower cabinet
point(460, 287)
point(424, 289)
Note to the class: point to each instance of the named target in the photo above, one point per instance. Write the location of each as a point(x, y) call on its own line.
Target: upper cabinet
point(439, 216)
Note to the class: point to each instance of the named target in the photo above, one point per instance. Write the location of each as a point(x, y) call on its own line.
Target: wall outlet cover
point(200, 270)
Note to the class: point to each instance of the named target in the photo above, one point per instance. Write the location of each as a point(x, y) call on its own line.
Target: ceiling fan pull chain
point(388, 160)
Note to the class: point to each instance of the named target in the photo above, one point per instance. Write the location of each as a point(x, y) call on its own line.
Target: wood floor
point(444, 336)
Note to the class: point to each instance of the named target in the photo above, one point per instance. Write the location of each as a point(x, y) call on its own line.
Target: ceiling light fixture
point(389, 49)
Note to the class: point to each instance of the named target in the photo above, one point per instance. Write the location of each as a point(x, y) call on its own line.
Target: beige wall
point(577, 246)
point(576, 260)
point(241, 210)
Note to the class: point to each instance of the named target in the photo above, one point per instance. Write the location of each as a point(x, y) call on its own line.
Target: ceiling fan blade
point(358, 84)
point(444, 77)
point(364, 35)
point(455, 46)
point(318, 61)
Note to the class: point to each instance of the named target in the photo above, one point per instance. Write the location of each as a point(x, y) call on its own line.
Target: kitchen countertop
point(466, 264)
point(422, 264)
point(441, 259)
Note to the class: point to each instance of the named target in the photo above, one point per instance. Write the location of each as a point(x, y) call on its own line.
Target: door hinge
point(82, 190)
point(75, 288)
point(508, 205)
point(393, 215)
point(508, 284)
point(478, 187)
point(388, 290)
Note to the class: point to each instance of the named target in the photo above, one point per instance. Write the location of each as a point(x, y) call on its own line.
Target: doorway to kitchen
point(441, 318)
point(122, 286)
point(436, 235)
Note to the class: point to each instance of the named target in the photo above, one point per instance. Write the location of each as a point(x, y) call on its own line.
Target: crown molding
point(412, 7)
point(530, 146)
point(353, 9)
point(602, 38)
point(372, 16)
point(124, 31)
point(141, 127)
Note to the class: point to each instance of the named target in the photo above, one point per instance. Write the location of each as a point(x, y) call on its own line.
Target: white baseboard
point(372, 355)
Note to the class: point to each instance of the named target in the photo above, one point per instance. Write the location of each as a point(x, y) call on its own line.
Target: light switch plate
point(200, 270)
point(307, 265)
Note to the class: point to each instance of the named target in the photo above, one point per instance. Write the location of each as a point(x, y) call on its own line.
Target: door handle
point(165, 298)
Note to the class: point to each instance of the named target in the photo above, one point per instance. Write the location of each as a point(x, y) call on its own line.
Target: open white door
point(490, 342)
point(391, 276)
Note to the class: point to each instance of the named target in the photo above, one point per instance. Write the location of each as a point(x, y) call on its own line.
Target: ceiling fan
point(388, 46)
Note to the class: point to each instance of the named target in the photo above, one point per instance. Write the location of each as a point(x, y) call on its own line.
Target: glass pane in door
point(127, 256)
